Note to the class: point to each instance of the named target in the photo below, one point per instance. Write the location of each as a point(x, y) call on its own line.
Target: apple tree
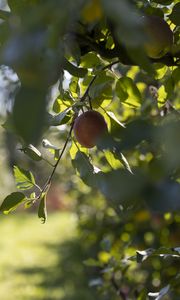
point(104, 75)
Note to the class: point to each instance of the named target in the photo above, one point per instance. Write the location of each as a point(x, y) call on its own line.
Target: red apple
point(89, 127)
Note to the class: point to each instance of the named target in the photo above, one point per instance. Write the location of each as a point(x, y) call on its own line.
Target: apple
point(160, 36)
point(89, 127)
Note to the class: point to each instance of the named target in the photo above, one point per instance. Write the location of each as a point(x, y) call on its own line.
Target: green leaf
point(160, 295)
point(46, 144)
point(31, 200)
point(63, 101)
point(143, 255)
point(142, 295)
point(161, 252)
point(42, 210)
point(52, 148)
point(74, 87)
point(124, 161)
point(101, 87)
point(11, 202)
point(4, 15)
point(90, 60)
point(73, 70)
point(113, 119)
point(24, 179)
point(32, 152)
point(160, 70)
point(90, 262)
point(9, 125)
point(85, 169)
point(61, 118)
point(112, 160)
point(128, 92)
point(138, 55)
point(128, 30)
point(72, 48)
point(17, 6)
point(29, 113)
point(4, 32)
point(163, 2)
point(174, 16)
point(135, 132)
point(163, 197)
point(121, 187)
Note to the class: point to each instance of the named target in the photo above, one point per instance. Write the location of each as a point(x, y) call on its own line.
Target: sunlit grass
point(38, 261)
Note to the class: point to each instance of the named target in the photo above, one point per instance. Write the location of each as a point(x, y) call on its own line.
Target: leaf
point(4, 15)
point(96, 282)
point(128, 30)
point(72, 48)
point(124, 161)
point(138, 55)
point(92, 11)
point(31, 200)
point(42, 210)
point(143, 255)
point(4, 32)
point(128, 92)
point(52, 148)
point(113, 117)
point(121, 187)
point(29, 113)
point(112, 160)
point(11, 202)
point(59, 119)
point(83, 166)
point(161, 252)
point(90, 60)
point(73, 70)
point(163, 2)
point(74, 87)
point(63, 101)
point(159, 295)
point(174, 16)
point(135, 132)
point(18, 6)
point(163, 197)
point(32, 152)
point(90, 262)
point(101, 87)
point(46, 144)
point(24, 179)
point(9, 125)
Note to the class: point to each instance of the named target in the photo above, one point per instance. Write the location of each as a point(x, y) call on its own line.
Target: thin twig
point(48, 182)
point(37, 186)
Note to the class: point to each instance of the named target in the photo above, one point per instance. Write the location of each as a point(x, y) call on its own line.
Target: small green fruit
point(160, 37)
point(89, 127)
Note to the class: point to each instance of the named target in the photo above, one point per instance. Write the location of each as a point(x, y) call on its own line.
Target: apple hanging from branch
point(89, 127)
point(160, 36)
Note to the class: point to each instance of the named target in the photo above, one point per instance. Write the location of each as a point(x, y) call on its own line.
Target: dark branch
point(87, 44)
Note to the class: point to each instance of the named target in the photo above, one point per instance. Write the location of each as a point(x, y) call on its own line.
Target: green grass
point(41, 261)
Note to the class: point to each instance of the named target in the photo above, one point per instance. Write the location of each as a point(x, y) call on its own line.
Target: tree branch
point(119, 51)
point(48, 182)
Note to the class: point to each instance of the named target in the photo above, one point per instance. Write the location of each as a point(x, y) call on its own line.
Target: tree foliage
point(93, 53)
